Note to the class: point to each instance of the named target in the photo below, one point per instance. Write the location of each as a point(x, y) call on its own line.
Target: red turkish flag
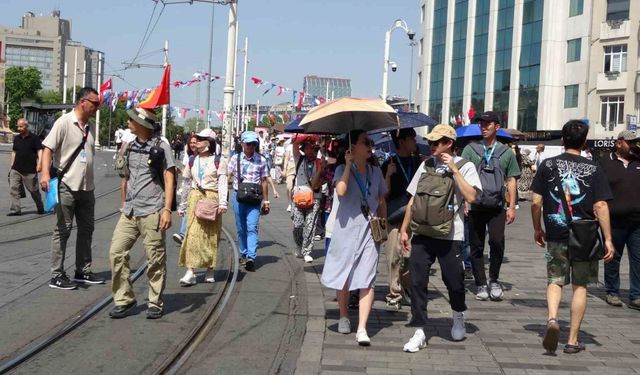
point(106, 85)
point(161, 95)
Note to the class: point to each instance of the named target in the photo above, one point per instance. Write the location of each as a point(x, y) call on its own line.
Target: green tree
point(49, 97)
point(21, 83)
point(193, 123)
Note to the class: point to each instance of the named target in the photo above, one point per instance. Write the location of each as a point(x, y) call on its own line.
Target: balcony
point(615, 29)
point(612, 81)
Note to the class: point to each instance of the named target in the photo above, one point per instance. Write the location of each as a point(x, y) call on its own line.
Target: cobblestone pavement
point(502, 337)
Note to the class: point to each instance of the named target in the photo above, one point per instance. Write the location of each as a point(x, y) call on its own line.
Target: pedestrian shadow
point(374, 324)
point(600, 293)
point(584, 336)
point(105, 275)
point(441, 327)
point(263, 260)
point(184, 303)
point(535, 303)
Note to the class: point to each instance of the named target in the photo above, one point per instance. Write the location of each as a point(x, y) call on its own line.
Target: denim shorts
point(562, 272)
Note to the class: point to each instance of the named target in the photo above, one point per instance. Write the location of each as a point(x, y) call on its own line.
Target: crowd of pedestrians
point(418, 208)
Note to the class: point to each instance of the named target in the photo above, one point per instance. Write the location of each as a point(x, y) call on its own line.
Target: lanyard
point(200, 170)
point(364, 186)
point(488, 154)
point(406, 175)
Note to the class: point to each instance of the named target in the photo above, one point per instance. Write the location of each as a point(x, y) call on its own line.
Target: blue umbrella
point(294, 126)
point(411, 120)
point(473, 131)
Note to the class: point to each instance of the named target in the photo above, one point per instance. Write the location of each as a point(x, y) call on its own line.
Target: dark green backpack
point(432, 212)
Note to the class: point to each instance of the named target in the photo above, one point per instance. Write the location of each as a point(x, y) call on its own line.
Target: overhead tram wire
point(146, 30)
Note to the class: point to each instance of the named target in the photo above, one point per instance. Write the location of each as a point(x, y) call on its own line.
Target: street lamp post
point(397, 24)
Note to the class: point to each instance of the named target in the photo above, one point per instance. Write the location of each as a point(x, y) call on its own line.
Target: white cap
point(206, 133)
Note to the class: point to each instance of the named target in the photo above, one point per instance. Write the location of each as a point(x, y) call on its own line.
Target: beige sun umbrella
point(346, 114)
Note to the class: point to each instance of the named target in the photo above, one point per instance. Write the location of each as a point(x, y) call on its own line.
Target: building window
point(612, 111)
point(571, 96)
point(530, 65)
point(419, 81)
point(573, 50)
point(615, 58)
point(617, 10)
point(575, 7)
point(422, 14)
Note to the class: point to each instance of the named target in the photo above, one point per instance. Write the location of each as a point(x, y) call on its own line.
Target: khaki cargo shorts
point(561, 272)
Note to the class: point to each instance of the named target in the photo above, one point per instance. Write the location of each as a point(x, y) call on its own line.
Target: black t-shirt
point(406, 167)
point(26, 150)
point(584, 183)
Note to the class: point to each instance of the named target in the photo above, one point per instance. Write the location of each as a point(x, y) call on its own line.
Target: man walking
point(250, 170)
point(71, 146)
point(436, 221)
point(495, 165)
point(623, 172)
point(539, 156)
point(148, 178)
point(586, 192)
point(398, 171)
point(26, 159)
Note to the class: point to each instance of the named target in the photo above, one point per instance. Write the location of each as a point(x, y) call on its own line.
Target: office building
point(328, 88)
point(44, 42)
point(538, 63)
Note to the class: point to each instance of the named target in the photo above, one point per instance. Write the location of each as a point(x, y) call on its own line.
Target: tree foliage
point(21, 83)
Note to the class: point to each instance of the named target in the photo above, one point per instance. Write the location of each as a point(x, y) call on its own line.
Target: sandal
point(574, 349)
point(550, 341)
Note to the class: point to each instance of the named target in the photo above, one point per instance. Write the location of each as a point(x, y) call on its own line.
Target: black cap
point(488, 116)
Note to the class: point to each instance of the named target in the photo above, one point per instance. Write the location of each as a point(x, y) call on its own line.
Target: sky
point(288, 39)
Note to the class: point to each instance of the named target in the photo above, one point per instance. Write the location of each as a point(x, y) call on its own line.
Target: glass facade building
point(40, 58)
point(326, 87)
point(480, 53)
point(439, 38)
point(530, 64)
point(502, 72)
point(458, 60)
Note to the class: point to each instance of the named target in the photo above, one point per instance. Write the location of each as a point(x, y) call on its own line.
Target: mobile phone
point(331, 160)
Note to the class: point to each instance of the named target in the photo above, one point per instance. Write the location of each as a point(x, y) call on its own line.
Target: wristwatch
point(265, 202)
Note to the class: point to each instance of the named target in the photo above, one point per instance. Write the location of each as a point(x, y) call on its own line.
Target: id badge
point(83, 156)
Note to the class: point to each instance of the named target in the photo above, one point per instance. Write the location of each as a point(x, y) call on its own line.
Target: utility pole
point(229, 85)
point(244, 85)
point(84, 73)
point(64, 86)
point(213, 7)
point(100, 95)
point(75, 75)
point(235, 103)
point(165, 106)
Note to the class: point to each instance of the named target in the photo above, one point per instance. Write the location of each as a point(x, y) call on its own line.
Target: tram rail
point(179, 355)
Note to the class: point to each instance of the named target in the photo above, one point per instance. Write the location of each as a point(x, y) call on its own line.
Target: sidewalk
point(502, 337)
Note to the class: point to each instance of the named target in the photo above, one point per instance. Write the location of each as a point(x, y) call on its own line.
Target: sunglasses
point(94, 102)
point(435, 143)
point(252, 144)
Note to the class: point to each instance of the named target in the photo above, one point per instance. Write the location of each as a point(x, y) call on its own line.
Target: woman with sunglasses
point(352, 257)
point(203, 180)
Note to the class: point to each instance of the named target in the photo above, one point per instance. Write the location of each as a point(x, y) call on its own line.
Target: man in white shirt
point(539, 156)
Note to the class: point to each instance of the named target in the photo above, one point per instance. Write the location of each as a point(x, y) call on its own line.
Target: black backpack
point(492, 177)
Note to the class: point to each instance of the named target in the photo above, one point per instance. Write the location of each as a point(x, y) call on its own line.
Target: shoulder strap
point(429, 163)
point(461, 162)
point(477, 149)
point(75, 153)
point(239, 176)
point(563, 197)
point(298, 163)
point(501, 149)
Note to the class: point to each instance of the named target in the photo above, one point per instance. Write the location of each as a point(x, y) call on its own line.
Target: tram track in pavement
point(178, 355)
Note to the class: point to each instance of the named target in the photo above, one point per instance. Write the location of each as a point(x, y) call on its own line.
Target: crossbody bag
point(585, 239)
point(302, 195)
point(53, 195)
point(377, 224)
point(206, 209)
point(248, 192)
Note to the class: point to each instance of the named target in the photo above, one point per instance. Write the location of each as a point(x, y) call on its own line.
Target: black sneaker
point(14, 213)
point(249, 265)
point(120, 311)
point(62, 282)
point(41, 211)
point(468, 274)
point(87, 278)
point(154, 312)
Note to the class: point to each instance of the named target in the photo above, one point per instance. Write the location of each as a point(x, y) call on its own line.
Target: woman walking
point(203, 181)
point(187, 162)
point(526, 178)
point(352, 257)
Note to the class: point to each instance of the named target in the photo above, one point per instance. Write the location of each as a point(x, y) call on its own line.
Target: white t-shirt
point(127, 136)
point(118, 135)
point(470, 175)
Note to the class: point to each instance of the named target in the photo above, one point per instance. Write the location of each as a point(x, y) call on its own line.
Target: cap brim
point(433, 137)
point(134, 117)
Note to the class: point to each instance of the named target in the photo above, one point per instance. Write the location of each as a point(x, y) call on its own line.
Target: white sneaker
point(415, 343)
point(208, 277)
point(483, 293)
point(458, 329)
point(188, 279)
point(362, 338)
point(495, 291)
point(308, 259)
point(289, 208)
point(344, 325)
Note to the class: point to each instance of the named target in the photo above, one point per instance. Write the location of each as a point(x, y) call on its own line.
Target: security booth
point(42, 116)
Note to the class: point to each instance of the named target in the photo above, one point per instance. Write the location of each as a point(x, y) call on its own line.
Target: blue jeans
point(183, 226)
point(247, 218)
point(466, 248)
point(624, 233)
